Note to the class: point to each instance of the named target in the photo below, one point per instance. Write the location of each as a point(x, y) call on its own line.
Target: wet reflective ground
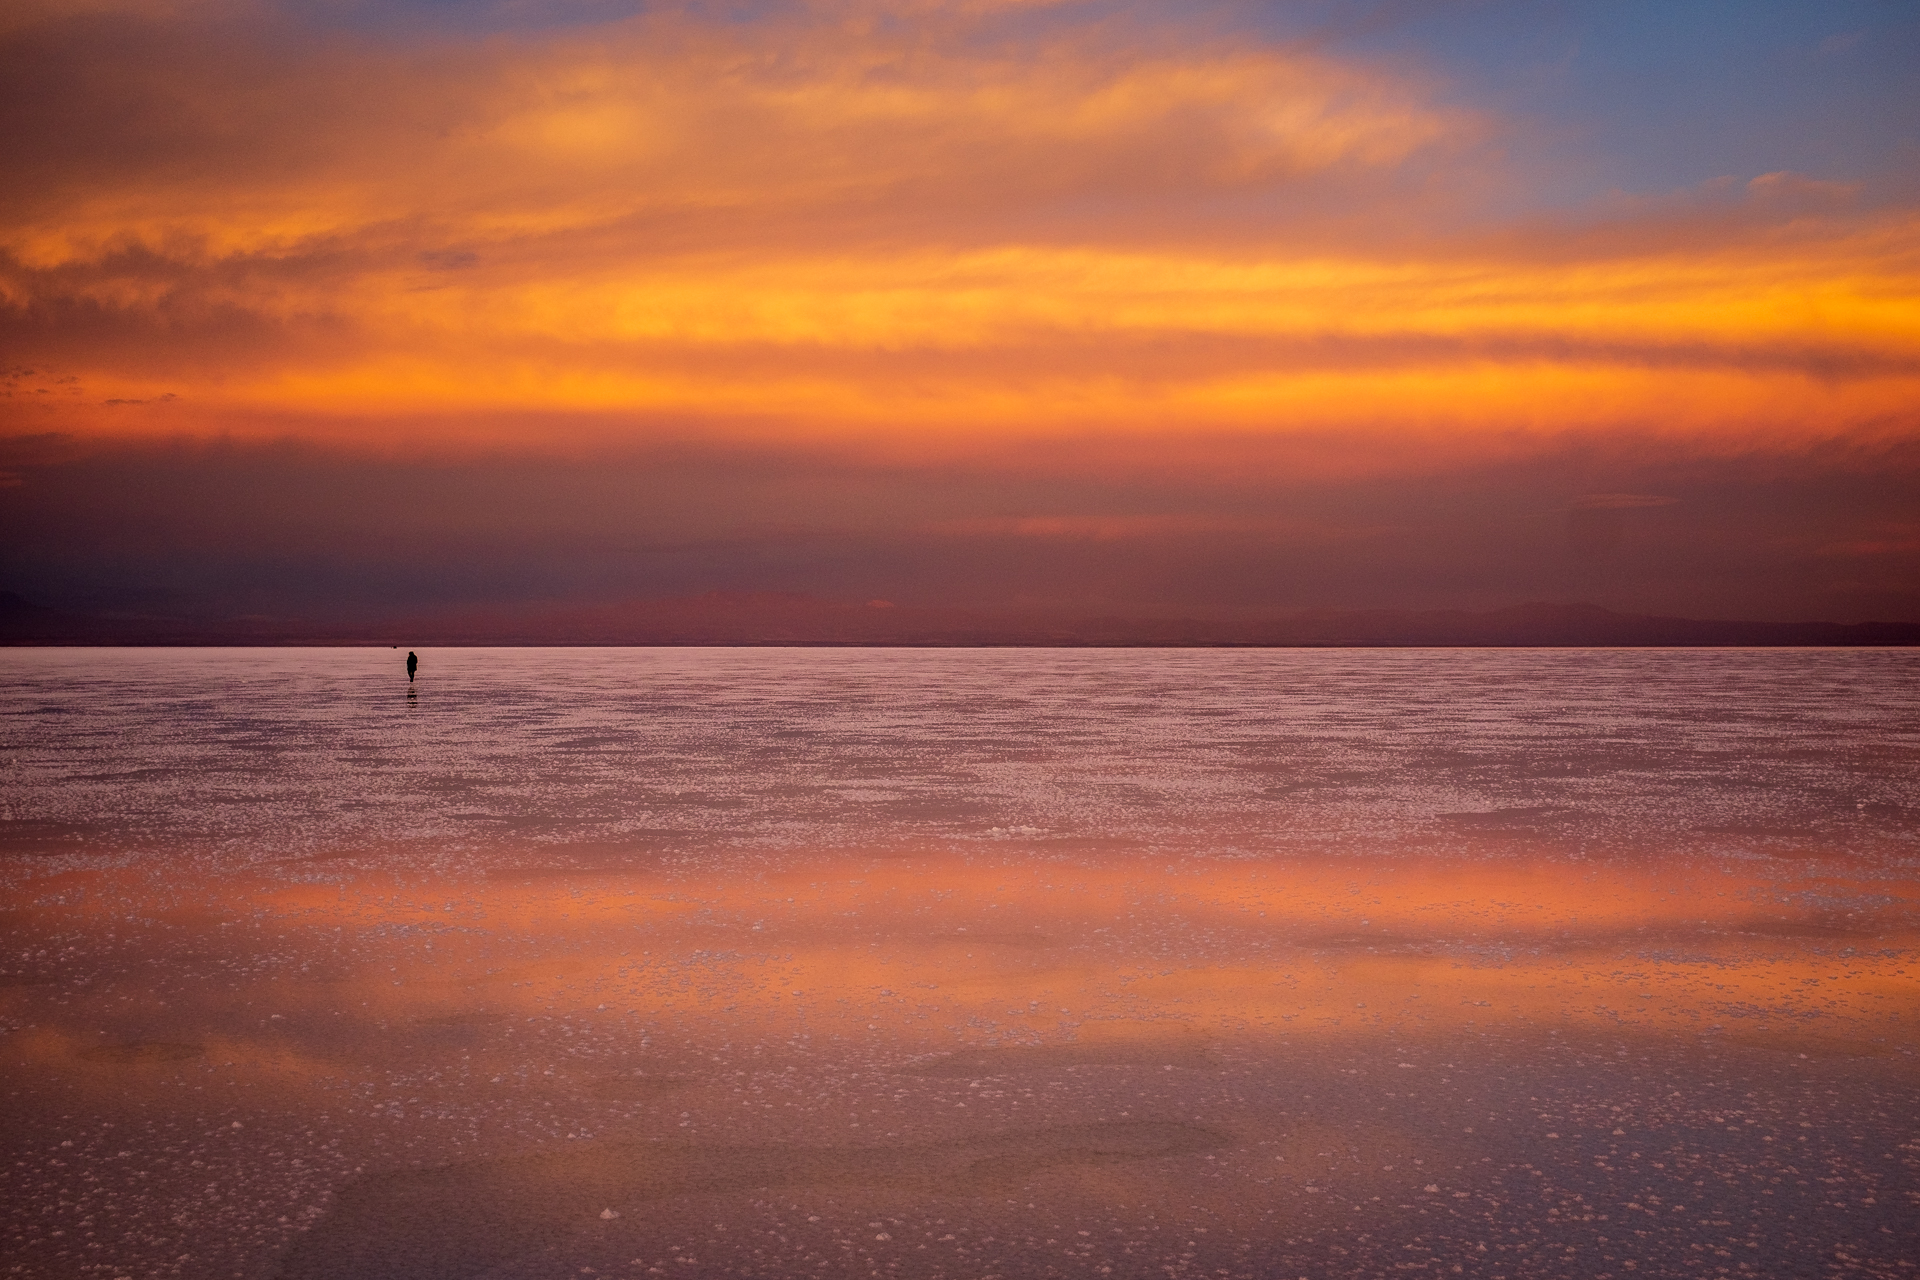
point(965, 964)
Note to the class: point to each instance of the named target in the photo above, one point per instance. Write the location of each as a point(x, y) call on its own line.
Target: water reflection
point(332, 1070)
point(959, 965)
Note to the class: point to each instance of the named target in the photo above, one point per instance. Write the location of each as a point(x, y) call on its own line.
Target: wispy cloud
point(897, 229)
point(1620, 501)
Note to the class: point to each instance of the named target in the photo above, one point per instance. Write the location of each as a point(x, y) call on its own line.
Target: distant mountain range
point(768, 618)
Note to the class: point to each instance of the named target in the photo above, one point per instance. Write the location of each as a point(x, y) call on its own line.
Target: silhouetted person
point(413, 664)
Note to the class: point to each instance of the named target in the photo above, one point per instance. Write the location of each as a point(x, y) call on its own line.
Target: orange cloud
point(889, 224)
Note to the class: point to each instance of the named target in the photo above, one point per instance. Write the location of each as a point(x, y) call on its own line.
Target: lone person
point(413, 664)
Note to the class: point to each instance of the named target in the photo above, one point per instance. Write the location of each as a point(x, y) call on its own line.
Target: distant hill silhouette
point(772, 618)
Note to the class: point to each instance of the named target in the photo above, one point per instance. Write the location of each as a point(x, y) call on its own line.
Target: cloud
point(1620, 501)
point(1786, 186)
point(1158, 528)
point(299, 531)
point(449, 259)
point(245, 140)
point(903, 226)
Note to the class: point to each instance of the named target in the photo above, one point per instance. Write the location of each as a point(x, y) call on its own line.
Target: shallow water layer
point(771, 963)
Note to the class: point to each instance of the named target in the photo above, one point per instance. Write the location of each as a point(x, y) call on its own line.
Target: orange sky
point(899, 231)
point(828, 224)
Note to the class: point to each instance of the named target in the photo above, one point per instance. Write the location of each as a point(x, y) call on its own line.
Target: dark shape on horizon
point(413, 664)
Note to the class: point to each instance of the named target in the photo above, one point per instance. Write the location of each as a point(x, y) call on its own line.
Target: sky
point(355, 310)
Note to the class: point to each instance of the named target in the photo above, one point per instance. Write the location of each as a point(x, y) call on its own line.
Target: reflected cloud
point(906, 1057)
point(936, 956)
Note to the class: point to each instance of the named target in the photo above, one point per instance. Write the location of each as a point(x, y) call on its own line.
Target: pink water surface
point(959, 963)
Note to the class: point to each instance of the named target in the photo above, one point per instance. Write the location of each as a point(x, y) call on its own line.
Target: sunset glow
point(900, 223)
point(843, 287)
point(936, 956)
point(959, 639)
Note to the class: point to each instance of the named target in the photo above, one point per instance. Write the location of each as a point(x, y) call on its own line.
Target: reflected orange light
point(936, 954)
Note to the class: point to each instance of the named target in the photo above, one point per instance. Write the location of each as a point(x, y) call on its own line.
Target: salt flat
point(770, 963)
